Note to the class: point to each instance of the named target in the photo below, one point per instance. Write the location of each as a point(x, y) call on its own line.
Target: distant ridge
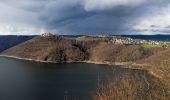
point(158, 37)
point(8, 41)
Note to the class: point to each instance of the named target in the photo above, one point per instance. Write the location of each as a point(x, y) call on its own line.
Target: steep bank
point(159, 64)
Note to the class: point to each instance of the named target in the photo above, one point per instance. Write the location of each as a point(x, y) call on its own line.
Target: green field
point(153, 46)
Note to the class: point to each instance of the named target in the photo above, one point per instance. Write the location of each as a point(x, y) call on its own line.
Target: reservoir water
point(27, 80)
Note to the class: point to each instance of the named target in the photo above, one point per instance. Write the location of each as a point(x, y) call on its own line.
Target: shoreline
point(129, 65)
point(124, 64)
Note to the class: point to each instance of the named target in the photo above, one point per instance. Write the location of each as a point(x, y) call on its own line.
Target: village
point(129, 41)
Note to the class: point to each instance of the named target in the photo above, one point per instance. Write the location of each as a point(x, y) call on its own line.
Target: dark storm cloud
point(81, 16)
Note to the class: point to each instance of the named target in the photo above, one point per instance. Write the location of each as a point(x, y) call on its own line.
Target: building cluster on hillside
point(123, 40)
point(130, 41)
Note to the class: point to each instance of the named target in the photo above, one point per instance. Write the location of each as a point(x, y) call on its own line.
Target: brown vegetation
point(60, 49)
point(131, 86)
point(54, 48)
point(159, 64)
point(118, 53)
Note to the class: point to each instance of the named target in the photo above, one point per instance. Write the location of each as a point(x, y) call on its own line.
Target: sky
point(33, 17)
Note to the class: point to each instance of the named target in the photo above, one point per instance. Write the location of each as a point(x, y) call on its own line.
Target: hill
point(119, 53)
point(62, 49)
point(53, 48)
point(12, 40)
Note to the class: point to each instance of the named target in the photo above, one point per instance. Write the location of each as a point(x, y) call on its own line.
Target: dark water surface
point(26, 80)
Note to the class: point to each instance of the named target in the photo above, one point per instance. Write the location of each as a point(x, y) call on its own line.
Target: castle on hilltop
point(47, 34)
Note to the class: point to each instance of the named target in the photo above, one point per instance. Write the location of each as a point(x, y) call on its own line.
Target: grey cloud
point(77, 16)
point(168, 26)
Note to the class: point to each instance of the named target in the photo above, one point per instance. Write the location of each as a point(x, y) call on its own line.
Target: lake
point(27, 80)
